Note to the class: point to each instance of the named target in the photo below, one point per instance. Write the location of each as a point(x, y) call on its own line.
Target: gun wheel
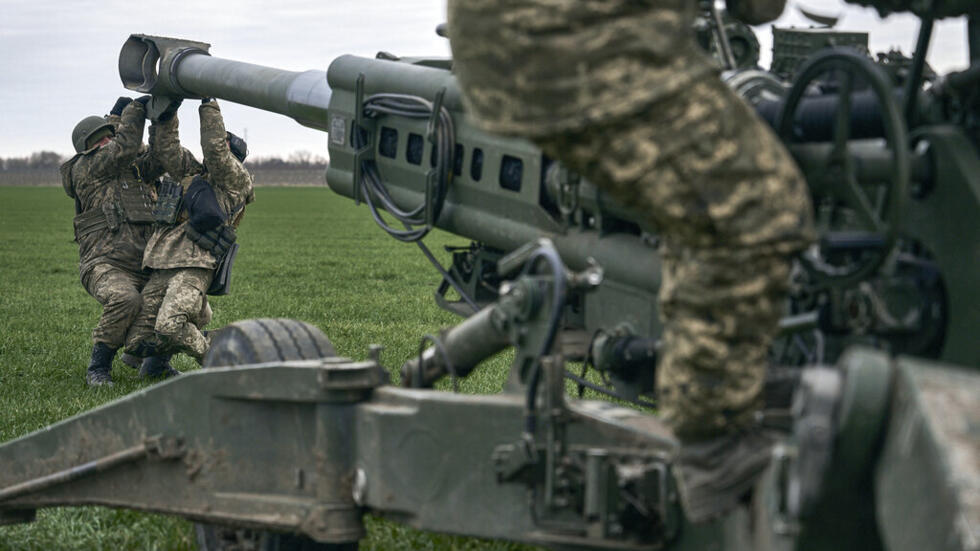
point(858, 220)
point(260, 341)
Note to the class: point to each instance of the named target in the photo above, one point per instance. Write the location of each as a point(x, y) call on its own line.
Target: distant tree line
point(47, 160)
point(41, 160)
point(295, 160)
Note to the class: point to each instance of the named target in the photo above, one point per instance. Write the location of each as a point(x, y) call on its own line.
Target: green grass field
point(306, 254)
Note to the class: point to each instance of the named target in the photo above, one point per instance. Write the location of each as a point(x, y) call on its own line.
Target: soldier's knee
point(126, 299)
point(168, 328)
point(170, 324)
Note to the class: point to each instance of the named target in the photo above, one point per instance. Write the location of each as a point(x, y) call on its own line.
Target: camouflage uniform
point(174, 300)
point(112, 223)
point(619, 91)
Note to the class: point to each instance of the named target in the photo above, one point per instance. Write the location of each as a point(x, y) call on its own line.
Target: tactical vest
point(131, 203)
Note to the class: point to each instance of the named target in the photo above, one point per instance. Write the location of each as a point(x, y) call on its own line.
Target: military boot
point(132, 360)
point(716, 474)
point(157, 367)
point(100, 368)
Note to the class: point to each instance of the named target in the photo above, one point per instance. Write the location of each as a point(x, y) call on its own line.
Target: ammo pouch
point(135, 204)
point(169, 197)
point(221, 243)
point(202, 205)
point(88, 222)
point(111, 215)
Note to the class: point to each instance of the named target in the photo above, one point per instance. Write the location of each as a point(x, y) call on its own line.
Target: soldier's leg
point(118, 293)
point(158, 366)
point(142, 339)
point(721, 309)
point(731, 208)
point(182, 305)
point(127, 358)
point(710, 175)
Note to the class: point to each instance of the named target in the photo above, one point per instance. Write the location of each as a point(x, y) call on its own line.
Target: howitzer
point(502, 193)
point(867, 447)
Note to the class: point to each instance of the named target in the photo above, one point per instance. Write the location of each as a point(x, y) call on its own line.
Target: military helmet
point(238, 146)
point(85, 129)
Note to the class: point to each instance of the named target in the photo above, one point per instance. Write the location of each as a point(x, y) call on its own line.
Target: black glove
point(217, 241)
point(121, 104)
point(203, 208)
point(171, 110)
point(143, 100)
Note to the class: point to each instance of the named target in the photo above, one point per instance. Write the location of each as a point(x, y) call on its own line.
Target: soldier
point(185, 254)
point(107, 179)
point(636, 108)
point(144, 163)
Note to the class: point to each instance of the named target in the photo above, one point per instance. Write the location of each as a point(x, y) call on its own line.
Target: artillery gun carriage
point(878, 452)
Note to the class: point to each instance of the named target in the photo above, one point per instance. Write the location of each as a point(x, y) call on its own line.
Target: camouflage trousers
point(174, 309)
point(118, 291)
point(731, 209)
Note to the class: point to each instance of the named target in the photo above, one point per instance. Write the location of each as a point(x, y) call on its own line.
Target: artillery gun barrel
point(180, 68)
point(302, 96)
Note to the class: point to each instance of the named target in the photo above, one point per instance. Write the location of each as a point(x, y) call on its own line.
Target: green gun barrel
point(172, 68)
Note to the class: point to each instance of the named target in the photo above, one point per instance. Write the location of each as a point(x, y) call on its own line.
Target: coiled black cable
point(373, 189)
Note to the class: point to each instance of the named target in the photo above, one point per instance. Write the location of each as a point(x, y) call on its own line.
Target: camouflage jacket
point(112, 201)
point(169, 247)
point(574, 63)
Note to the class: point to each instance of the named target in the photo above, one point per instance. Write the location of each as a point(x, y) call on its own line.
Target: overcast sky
point(59, 58)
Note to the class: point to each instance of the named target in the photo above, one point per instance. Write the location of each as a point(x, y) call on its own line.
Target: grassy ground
point(306, 254)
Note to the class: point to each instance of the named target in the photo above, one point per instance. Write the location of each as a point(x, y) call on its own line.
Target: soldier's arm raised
point(124, 146)
point(147, 164)
point(165, 148)
point(225, 170)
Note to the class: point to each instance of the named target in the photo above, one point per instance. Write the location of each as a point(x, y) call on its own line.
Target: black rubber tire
point(267, 340)
point(252, 342)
